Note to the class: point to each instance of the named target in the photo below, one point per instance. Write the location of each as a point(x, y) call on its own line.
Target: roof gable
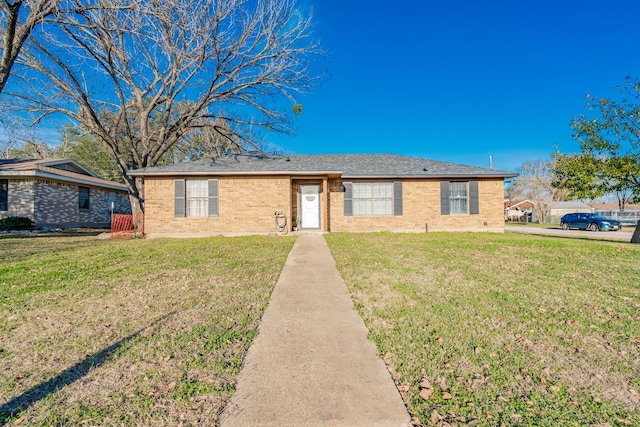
point(526, 203)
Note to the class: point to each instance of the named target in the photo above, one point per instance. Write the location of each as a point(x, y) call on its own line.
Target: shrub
point(16, 223)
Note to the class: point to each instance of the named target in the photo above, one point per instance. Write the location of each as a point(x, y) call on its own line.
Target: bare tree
point(148, 77)
point(8, 136)
point(22, 142)
point(33, 149)
point(15, 32)
point(536, 183)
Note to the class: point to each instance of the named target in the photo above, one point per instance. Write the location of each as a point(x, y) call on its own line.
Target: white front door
point(310, 206)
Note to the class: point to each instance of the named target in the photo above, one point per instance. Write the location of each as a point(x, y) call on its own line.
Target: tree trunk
point(636, 234)
point(136, 196)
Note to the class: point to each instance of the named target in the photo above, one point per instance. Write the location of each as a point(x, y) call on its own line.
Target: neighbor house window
point(459, 197)
point(196, 197)
point(113, 201)
point(4, 194)
point(83, 198)
point(372, 198)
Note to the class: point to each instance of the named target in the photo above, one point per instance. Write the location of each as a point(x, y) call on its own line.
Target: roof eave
point(432, 176)
point(40, 174)
point(231, 173)
point(311, 172)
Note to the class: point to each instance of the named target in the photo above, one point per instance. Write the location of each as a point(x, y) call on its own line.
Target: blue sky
point(460, 81)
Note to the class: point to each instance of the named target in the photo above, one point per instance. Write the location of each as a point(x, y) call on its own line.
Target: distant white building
point(559, 209)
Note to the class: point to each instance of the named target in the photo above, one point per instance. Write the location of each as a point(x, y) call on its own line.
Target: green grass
point(518, 329)
point(128, 332)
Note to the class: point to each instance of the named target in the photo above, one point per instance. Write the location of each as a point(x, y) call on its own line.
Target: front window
point(458, 197)
point(372, 198)
point(83, 198)
point(197, 198)
point(4, 194)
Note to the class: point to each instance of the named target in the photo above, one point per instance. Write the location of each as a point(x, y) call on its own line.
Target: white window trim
point(369, 201)
point(452, 199)
point(196, 199)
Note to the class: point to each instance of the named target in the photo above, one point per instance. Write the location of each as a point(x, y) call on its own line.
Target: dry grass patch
point(513, 329)
point(144, 332)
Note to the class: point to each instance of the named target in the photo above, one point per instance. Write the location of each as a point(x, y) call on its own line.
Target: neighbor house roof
point(66, 170)
point(527, 204)
point(570, 204)
point(344, 165)
point(615, 206)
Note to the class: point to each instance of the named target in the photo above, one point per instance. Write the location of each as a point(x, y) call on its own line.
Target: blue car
point(589, 221)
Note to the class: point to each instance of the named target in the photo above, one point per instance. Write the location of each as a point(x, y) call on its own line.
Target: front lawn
point(128, 332)
point(502, 329)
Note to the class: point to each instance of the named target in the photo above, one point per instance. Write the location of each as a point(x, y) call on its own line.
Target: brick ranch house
point(59, 193)
point(240, 193)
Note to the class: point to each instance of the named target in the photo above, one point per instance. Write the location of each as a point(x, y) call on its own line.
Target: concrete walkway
point(311, 364)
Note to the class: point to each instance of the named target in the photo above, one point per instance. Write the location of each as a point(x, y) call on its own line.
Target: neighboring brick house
point(240, 193)
point(59, 193)
point(518, 210)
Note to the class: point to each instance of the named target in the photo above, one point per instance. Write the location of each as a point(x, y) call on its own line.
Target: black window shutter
point(397, 198)
point(179, 203)
point(348, 198)
point(444, 197)
point(474, 208)
point(4, 194)
point(213, 197)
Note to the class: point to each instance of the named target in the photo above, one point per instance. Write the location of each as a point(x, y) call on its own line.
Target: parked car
point(589, 221)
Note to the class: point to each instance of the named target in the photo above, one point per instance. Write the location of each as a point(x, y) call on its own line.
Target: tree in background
point(610, 148)
point(19, 142)
point(536, 183)
point(9, 136)
point(142, 80)
point(588, 177)
point(87, 150)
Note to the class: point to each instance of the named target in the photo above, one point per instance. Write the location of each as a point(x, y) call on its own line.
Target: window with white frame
point(197, 197)
point(458, 197)
point(372, 198)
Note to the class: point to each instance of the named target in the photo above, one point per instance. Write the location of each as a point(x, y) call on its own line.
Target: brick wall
point(123, 203)
point(421, 205)
point(19, 198)
point(55, 204)
point(246, 205)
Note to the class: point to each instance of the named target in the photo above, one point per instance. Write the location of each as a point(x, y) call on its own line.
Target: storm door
point(310, 206)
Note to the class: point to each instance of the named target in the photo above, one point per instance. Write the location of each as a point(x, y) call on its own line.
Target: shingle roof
point(50, 168)
point(346, 165)
point(570, 204)
point(615, 206)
